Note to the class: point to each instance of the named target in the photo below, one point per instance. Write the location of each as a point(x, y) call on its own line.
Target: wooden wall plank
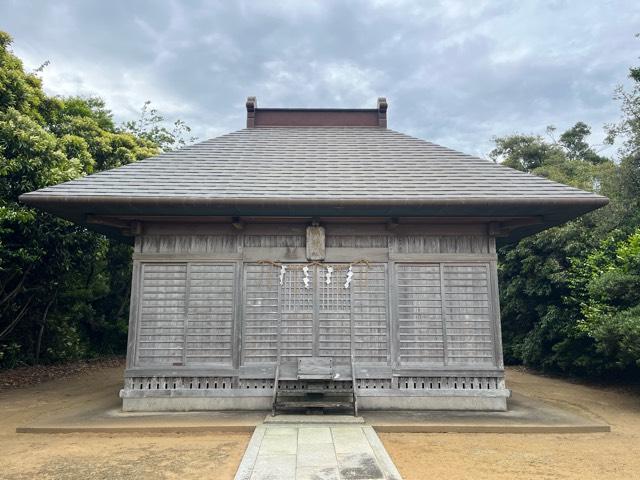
point(210, 314)
point(261, 314)
point(203, 298)
point(419, 313)
point(160, 339)
point(469, 324)
point(370, 296)
point(334, 316)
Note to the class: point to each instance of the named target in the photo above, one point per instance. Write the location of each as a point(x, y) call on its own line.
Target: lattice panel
point(369, 299)
point(419, 307)
point(468, 314)
point(334, 316)
point(297, 315)
point(210, 313)
point(261, 314)
point(162, 314)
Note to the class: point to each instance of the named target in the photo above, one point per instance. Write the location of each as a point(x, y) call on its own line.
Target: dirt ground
point(103, 456)
point(614, 455)
point(609, 456)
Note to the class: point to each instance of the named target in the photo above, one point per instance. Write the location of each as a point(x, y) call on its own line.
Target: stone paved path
point(318, 452)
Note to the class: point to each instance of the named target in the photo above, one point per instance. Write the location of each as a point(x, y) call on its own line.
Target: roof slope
point(315, 170)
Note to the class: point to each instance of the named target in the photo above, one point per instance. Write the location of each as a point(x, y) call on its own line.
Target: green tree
point(63, 289)
point(559, 313)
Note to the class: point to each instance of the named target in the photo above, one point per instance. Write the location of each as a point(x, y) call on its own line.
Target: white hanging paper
point(349, 275)
point(283, 269)
point(328, 274)
point(305, 269)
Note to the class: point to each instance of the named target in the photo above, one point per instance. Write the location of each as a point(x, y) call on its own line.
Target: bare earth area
point(614, 455)
point(103, 456)
point(217, 455)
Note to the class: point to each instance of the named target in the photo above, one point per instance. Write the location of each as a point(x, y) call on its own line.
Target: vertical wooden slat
point(370, 313)
point(333, 323)
point(210, 313)
point(134, 311)
point(443, 302)
point(259, 342)
point(495, 314)
point(162, 314)
point(297, 307)
point(470, 333)
point(392, 312)
point(186, 314)
point(419, 313)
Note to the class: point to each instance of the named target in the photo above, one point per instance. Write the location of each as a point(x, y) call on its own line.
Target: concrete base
point(195, 404)
point(525, 415)
point(288, 419)
point(185, 401)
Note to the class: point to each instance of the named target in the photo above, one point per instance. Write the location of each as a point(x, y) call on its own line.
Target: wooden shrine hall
point(315, 259)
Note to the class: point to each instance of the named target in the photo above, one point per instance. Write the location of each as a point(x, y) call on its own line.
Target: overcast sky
point(456, 73)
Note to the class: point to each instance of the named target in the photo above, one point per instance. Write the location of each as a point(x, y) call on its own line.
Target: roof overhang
point(546, 211)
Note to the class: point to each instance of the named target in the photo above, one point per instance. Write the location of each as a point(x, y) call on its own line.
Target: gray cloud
point(456, 73)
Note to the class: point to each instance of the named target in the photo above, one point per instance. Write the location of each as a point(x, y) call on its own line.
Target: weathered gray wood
point(425, 304)
point(358, 241)
point(211, 309)
point(315, 368)
point(441, 257)
point(419, 307)
point(261, 314)
point(162, 314)
point(271, 241)
point(370, 314)
point(193, 244)
point(278, 254)
point(134, 313)
point(495, 314)
point(186, 257)
point(470, 336)
point(315, 243)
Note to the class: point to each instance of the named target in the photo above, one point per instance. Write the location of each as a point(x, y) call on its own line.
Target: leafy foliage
point(150, 127)
point(63, 289)
point(570, 296)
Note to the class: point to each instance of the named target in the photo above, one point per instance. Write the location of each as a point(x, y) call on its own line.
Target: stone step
point(313, 404)
point(325, 391)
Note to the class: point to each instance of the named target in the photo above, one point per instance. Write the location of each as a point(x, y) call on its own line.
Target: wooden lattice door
point(315, 318)
point(290, 321)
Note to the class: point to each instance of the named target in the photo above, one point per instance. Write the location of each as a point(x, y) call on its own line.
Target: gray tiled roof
point(315, 163)
point(316, 172)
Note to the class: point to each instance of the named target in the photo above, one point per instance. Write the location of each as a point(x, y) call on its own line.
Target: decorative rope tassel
point(305, 269)
point(328, 274)
point(349, 275)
